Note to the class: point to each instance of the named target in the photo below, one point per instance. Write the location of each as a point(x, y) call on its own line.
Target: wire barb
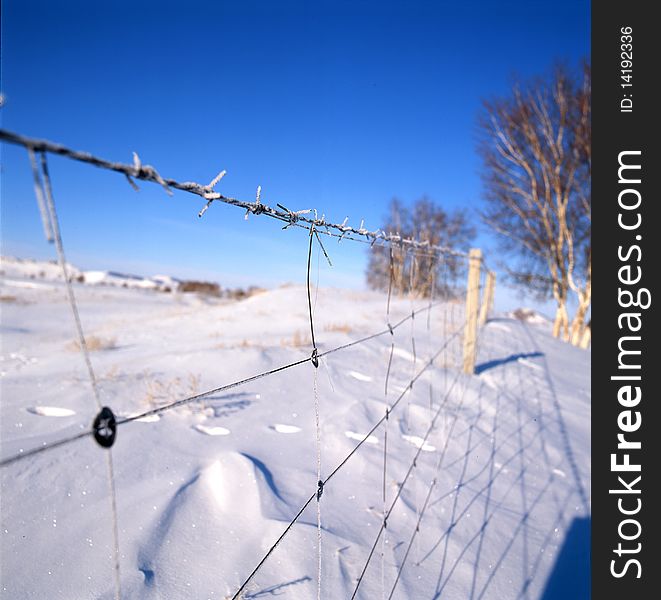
point(216, 179)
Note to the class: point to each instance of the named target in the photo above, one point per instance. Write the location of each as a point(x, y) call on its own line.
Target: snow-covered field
point(204, 490)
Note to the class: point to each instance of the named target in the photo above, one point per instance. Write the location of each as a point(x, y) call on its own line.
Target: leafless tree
point(420, 272)
point(535, 145)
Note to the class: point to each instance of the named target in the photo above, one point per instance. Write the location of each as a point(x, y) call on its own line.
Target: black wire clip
point(105, 428)
point(320, 489)
point(315, 358)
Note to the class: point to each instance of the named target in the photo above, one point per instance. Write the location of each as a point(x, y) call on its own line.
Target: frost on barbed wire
point(299, 218)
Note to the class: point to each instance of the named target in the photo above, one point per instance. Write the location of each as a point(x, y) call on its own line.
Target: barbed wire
point(298, 218)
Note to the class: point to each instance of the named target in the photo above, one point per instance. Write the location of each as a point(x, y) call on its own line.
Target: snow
point(205, 489)
point(15, 269)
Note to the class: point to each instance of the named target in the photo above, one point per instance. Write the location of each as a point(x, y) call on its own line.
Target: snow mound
point(218, 511)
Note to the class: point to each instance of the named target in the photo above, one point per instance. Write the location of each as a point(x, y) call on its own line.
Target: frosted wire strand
point(414, 483)
point(316, 408)
point(391, 269)
point(115, 524)
point(318, 432)
point(57, 237)
point(390, 328)
point(39, 193)
point(59, 246)
point(314, 344)
point(149, 173)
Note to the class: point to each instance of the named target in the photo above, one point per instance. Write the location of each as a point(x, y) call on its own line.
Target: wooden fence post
point(487, 297)
point(472, 309)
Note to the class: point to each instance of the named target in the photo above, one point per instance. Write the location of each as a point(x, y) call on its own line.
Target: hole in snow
point(370, 439)
point(359, 376)
point(51, 411)
point(280, 428)
point(419, 442)
point(207, 430)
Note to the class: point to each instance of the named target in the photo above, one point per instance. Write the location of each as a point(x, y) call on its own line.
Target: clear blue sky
point(334, 105)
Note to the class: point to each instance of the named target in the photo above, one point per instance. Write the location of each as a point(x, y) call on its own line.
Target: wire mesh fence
point(417, 352)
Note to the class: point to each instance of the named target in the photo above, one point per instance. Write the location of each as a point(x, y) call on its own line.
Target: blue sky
point(334, 105)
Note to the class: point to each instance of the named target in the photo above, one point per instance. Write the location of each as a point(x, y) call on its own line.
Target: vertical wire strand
point(39, 194)
point(385, 505)
point(318, 436)
point(315, 362)
point(385, 435)
point(59, 246)
point(115, 523)
point(57, 237)
point(412, 284)
point(431, 282)
point(392, 333)
point(314, 343)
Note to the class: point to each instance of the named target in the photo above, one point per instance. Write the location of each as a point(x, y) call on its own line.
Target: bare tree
point(580, 254)
point(535, 146)
point(420, 272)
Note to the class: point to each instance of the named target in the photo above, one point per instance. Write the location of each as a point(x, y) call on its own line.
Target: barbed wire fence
point(479, 294)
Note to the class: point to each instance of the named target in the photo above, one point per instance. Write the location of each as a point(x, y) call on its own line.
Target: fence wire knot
point(320, 489)
point(105, 428)
point(315, 358)
point(148, 172)
point(293, 216)
point(256, 207)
